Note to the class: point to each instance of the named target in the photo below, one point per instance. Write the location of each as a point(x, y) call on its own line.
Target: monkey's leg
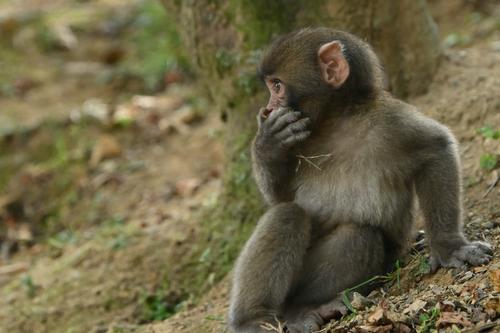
point(349, 256)
point(270, 261)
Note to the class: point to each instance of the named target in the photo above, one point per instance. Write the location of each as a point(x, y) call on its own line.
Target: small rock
point(95, 108)
point(360, 302)
point(490, 225)
point(455, 288)
point(436, 290)
point(477, 221)
point(466, 276)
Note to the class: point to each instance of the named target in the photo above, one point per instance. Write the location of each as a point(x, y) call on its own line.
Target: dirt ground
point(139, 170)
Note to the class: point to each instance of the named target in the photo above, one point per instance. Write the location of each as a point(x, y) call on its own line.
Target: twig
point(309, 158)
point(482, 327)
point(271, 328)
point(14, 268)
point(492, 185)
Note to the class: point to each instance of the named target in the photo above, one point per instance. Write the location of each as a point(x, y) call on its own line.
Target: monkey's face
point(277, 94)
point(304, 74)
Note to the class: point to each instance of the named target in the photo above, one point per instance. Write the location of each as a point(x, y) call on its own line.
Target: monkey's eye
point(276, 85)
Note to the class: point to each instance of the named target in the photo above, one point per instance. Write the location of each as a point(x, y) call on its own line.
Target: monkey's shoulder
point(404, 127)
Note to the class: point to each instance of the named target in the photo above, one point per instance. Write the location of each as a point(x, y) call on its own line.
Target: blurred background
point(125, 187)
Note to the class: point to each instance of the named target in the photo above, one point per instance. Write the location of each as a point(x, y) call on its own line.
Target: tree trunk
point(402, 33)
point(224, 39)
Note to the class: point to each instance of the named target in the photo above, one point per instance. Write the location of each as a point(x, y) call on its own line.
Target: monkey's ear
point(334, 66)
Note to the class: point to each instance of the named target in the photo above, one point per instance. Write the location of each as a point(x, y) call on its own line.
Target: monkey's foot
point(312, 321)
point(474, 253)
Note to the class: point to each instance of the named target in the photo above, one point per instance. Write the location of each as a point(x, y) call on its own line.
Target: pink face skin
point(277, 98)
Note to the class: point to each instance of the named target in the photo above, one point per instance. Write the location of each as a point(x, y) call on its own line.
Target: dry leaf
point(378, 316)
point(415, 307)
point(446, 306)
point(493, 306)
point(401, 328)
point(450, 318)
point(107, 146)
point(187, 187)
point(164, 103)
point(375, 329)
point(495, 279)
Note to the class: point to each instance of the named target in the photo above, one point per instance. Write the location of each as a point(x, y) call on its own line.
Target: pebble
point(360, 302)
point(490, 225)
point(467, 276)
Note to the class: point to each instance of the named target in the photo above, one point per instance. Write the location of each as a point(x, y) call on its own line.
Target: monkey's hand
point(281, 130)
point(473, 253)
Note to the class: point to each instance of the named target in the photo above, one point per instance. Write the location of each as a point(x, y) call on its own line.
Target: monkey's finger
point(293, 128)
point(271, 119)
point(485, 247)
point(285, 120)
point(261, 116)
point(296, 138)
point(473, 255)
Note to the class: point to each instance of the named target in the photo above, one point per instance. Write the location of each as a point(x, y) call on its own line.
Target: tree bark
point(224, 38)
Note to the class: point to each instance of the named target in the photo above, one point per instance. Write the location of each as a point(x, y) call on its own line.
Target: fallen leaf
point(379, 315)
point(480, 269)
point(495, 279)
point(492, 306)
point(163, 103)
point(415, 307)
point(187, 187)
point(450, 318)
point(186, 115)
point(446, 306)
point(106, 147)
point(401, 328)
point(375, 329)
point(14, 268)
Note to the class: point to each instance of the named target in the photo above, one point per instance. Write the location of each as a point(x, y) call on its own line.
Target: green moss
point(225, 60)
point(266, 19)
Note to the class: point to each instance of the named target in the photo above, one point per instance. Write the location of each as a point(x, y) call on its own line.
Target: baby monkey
point(340, 162)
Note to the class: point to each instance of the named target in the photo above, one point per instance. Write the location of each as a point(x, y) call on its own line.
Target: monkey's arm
point(272, 174)
point(438, 188)
point(273, 163)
